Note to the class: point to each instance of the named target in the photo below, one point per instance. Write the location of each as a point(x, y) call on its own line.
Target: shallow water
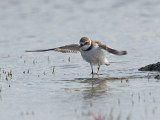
point(71, 92)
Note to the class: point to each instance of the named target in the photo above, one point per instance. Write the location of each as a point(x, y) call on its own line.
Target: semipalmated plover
point(91, 51)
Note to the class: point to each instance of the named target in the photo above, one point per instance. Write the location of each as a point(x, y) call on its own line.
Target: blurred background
point(53, 22)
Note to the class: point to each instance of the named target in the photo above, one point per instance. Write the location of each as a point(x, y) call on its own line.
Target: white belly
point(95, 56)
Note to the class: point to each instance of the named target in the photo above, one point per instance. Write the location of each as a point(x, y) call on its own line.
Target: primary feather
point(73, 48)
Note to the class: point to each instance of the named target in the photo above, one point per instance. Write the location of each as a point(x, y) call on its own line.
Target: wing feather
point(73, 48)
point(111, 50)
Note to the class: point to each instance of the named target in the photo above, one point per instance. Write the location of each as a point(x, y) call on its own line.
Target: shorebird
point(90, 50)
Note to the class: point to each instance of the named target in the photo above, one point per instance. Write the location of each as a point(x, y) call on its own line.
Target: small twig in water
point(69, 59)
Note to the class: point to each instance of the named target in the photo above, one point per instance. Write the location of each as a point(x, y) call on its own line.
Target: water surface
point(71, 92)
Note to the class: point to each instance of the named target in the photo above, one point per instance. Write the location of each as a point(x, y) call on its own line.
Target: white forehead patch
point(90, 41)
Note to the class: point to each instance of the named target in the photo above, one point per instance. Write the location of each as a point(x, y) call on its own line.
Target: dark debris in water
point(157, 77)
point(151, 67)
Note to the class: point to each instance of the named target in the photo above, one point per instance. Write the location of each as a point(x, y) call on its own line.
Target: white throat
point(85, 47)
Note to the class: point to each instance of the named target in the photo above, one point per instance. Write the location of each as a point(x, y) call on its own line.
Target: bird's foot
point(95, 73)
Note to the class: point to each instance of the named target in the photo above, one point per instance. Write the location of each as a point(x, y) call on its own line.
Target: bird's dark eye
point(81, 44)
point(86, 43)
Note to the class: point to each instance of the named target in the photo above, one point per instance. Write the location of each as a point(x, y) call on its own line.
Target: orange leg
point(98, 69)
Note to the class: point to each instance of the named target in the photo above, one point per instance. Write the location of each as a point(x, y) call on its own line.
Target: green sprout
point(6, 77)
point(53, 70)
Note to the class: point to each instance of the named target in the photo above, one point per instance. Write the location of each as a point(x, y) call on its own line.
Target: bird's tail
point(107, 64)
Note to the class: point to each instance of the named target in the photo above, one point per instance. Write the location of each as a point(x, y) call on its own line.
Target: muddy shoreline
point(152, 67)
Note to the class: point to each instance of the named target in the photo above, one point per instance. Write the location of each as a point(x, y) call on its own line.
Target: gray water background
point(71, 91)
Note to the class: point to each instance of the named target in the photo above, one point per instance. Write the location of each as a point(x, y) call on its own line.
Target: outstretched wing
point(111, 50)
point(73, 48)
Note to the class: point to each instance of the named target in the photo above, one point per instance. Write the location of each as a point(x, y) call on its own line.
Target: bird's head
point(85, 43)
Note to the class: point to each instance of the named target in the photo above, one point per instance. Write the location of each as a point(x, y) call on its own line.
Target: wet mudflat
point(53, 85)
